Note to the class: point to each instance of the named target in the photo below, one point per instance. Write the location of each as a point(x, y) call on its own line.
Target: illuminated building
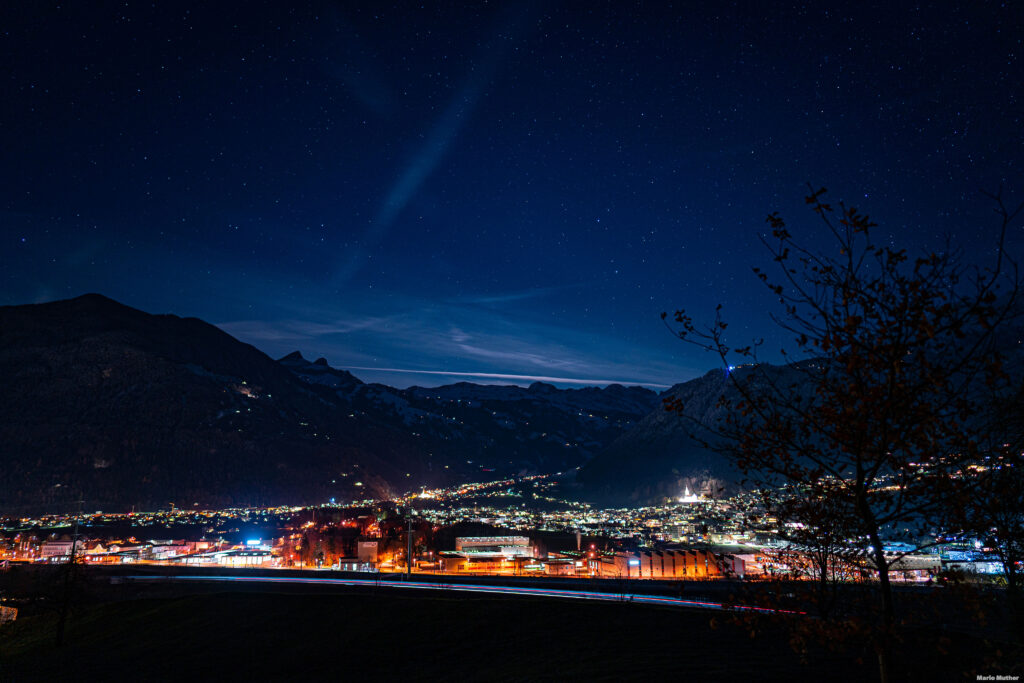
point(245, 558)
point(51, 549)
point(366, 552)
point(491, 554)
point(666, 564)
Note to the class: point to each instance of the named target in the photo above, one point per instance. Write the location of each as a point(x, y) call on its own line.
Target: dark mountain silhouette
point(122, 407)
point(476, 429)
point(119, 407)
point(665, 452)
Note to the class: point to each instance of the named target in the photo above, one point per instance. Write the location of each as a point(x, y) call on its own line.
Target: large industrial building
point(654, 564)
point(515, 554)
point(490, 554)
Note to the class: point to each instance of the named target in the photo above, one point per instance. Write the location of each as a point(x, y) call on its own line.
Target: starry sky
point(494, 192)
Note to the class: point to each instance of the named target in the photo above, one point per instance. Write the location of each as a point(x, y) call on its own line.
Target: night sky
point(443, 192)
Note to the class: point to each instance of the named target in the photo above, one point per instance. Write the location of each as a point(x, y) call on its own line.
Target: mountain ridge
point(128, 408)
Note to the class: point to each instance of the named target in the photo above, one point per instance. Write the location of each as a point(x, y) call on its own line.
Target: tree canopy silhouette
point(882, 411)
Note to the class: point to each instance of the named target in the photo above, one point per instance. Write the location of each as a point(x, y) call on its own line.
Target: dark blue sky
point(489, 188)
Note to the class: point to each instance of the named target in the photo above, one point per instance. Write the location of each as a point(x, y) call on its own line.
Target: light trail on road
point(633, 598)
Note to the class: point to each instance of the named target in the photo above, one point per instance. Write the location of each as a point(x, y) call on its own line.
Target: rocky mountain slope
point(664, 453)
point(478, 428)
point(118, 407)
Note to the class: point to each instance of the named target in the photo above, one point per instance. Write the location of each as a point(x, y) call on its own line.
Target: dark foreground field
point(179, 633)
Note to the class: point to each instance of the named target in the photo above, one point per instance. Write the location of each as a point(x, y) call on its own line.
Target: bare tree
point(875, 416)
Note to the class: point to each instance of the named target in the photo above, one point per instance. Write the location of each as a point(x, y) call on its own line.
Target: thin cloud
point(524, 295)
point(434, 148)
point(517, 356)
point(500, 345)
point(515, 378)
point(300, 329)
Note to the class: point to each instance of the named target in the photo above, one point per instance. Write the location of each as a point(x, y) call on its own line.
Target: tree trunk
point(1014, 598)
point(883, 635)
point(883, 645)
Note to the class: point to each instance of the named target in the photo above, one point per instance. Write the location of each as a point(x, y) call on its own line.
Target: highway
point(532, 591)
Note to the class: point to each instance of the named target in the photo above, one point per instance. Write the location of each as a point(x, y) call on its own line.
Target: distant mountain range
point(119, 407)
